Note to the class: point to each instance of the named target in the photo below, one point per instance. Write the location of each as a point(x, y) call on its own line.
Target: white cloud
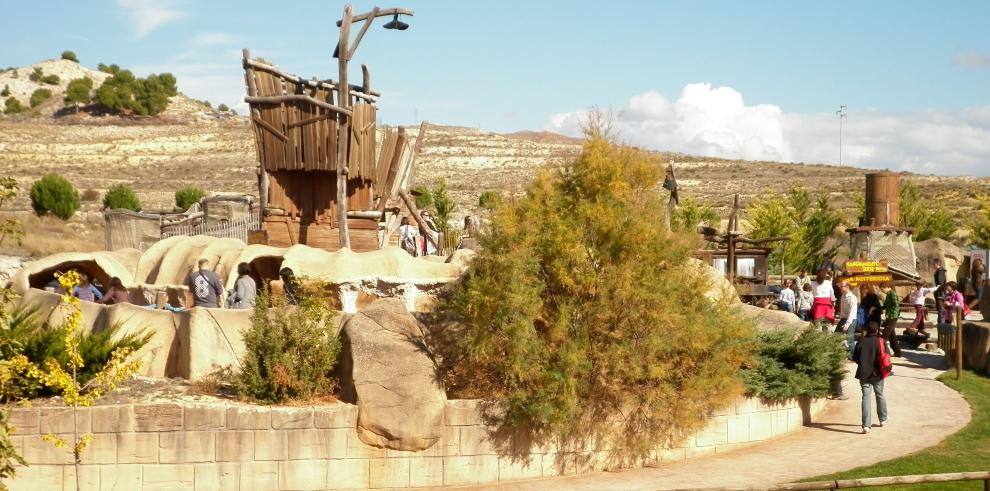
point(715, 121)
point(972, 59)
point(148, 15)
point(213, 39)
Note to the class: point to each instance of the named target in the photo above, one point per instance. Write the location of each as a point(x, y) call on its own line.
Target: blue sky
point(737, 79)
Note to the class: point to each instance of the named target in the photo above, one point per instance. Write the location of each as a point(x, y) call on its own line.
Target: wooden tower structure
point(327, 176)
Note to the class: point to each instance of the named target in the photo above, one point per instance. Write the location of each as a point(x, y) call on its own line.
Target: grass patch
point(966, 451)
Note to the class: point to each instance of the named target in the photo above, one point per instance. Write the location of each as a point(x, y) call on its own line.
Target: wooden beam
point(252, 91)
point(264, 124)
point(280, 99)
point(343, 129)
point(365, 78)
point(380, 13)
point(328, 84)
point(313, 119)
point(360, 35)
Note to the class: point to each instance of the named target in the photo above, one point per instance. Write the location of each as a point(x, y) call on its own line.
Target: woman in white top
point(917, 298)
point(786, 300)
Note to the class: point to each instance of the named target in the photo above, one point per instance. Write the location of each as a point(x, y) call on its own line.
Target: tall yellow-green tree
point(581, 316)
point(808, 220)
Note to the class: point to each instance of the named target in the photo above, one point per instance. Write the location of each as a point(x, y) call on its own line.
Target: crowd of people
point(867, 315)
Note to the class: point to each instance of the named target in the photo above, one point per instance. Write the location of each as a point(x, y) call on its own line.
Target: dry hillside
point(189, 144)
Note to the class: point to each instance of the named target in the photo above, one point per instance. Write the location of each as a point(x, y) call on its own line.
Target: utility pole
point(842, 115)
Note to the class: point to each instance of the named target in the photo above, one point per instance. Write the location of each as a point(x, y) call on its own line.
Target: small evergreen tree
point(980, 224)
point(489, 199)
point(424, 198)
point(443, 204)
point(13, 106)
point(690, 213)
point(78, 92)
point(808, 221)
point(36, 75)
point(53, 194)
point(10, 228)
point(223, 108)
point(6, 91)
point(187, 196)
point(39, 96)
point(69, 55)
point(51, 79)
point(121, 196)
point(929, 218)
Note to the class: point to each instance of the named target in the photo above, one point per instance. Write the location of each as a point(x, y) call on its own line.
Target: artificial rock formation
point(399, 396)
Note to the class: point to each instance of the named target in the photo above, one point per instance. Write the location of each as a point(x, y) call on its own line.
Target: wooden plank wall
point(284, 232)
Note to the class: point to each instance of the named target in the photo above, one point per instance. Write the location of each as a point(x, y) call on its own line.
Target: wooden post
point(344, 128)
point(959, 342)
point(252, 90)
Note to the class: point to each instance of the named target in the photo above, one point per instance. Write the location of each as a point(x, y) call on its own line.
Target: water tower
point(879, 236)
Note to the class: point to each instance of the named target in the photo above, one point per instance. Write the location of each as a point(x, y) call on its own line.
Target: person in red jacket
point(871, 375)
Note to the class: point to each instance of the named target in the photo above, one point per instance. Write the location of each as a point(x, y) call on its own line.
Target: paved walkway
point(922, 413)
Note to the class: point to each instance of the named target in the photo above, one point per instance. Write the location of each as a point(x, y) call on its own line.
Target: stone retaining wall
point(241, 447)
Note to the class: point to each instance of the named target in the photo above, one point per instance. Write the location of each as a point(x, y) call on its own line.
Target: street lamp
point(842, 115)
point(344, 52)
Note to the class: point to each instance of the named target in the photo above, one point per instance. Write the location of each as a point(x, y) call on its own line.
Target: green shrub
point(79, 91)
point(424, 198)
point(187, 196)
point(793, 364)
point(489, 200)
point(69, 55)
point(27, 335)
point(290, 349)
point(13, 106)
point(53, 194)
point(6, 91)
point(51, 79)
point(39, 96)
point(111, 69)
point(223, 108)
point(443, 204)
point(147, 96)
point(36, 75)
point(577, 310)
point(121, 196)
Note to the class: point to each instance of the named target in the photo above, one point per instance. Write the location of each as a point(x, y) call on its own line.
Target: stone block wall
point(245, 448)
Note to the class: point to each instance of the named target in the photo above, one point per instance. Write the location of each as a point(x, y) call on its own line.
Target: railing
point(869, 482)
point(233, 229)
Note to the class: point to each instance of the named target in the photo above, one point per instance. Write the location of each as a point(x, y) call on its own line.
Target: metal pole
point(959, 343)
point(842, 114)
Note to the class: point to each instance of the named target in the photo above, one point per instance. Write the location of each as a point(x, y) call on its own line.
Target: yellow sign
point(859, 266)
point(869, 279)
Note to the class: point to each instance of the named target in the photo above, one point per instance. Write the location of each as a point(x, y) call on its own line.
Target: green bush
point(111, 69)
point(793, 364)
point(69, 55)
point(53, 194)
point(79, 91)
point(36, 75)
point(13, 106)
point(424, 198)
point(121, 196)
point(187, 196)
point(489, 200)
point(39, 96)
point(148, 96)
point(27, 335)
point(223, 108)
point(290, 349)
point(51, 79)
point(577, 310)
point(443, 203)
point(6, 91)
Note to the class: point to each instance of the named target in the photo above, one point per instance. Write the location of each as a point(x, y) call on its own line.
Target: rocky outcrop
point(394, 380)
point(771, 320)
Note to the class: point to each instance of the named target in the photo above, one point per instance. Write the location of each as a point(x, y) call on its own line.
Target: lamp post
point(344, 52)
point(842, 115)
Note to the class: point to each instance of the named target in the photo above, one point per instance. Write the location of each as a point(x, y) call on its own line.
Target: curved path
point(922, 413)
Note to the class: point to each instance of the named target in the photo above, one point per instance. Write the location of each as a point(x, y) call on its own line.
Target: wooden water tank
point(883, 199)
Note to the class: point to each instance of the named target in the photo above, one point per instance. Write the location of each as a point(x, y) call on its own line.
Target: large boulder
point(720, 288)
point(393, 380)
point(772, 320)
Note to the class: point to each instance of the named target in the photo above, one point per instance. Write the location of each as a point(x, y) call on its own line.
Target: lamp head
point(396, 24)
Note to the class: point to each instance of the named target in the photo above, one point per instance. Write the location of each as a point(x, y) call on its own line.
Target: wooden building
point(297, 125)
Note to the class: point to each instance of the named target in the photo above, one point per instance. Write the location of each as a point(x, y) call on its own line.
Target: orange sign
point(859, 266)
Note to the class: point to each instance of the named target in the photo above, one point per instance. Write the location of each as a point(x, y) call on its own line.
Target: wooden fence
point(233, 229)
